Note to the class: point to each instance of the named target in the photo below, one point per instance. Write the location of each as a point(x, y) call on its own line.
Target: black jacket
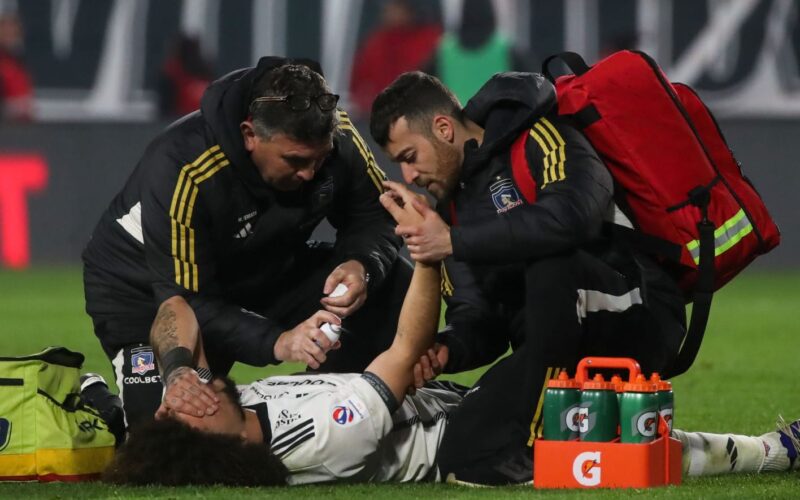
point(494, 232)
point(196, 219)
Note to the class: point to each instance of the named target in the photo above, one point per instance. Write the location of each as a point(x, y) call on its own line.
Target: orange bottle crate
point(583, 464)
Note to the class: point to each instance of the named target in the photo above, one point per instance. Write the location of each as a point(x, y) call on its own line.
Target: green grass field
point(742, 379)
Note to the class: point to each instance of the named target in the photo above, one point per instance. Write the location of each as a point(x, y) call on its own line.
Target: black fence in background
point(87, 164)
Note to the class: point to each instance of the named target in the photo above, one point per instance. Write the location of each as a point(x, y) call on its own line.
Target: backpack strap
point(573, 61)
point(520, 169)
point(701, 301)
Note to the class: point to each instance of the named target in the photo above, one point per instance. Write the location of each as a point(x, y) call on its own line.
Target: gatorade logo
point(571, 418)
point(647, 423)
point(586, 468)
point(666, 413)
point(585, 420)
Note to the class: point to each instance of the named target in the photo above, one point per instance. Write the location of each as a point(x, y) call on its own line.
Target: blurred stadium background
point(99, 72)
point(97, 69)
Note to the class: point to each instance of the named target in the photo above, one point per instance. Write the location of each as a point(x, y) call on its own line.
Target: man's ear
point(249, 135)
point(443, 128)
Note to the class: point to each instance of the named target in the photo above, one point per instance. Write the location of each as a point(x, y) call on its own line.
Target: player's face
point(429, 162)
point(227, 420)
point(284, 162)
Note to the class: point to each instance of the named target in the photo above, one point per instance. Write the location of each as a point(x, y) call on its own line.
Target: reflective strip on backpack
point(725, 236)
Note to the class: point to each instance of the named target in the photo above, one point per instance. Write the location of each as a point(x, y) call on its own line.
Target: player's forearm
point(419, 316)
point(175, 331)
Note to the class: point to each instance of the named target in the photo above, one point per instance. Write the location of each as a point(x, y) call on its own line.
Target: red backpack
point(675, 178)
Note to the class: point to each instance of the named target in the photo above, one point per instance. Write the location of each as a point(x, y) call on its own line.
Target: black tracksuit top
point(195, 219)
point(493, 237)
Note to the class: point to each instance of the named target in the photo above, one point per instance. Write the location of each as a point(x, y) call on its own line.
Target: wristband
point(174, 359)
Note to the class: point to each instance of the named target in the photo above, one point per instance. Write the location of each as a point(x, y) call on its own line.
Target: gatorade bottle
point(666, 398)
point(599, 411)
point(561, 403)
point(619, 386)
point(638, 412)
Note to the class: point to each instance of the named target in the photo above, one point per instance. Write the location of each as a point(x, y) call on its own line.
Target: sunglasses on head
point(325, 102)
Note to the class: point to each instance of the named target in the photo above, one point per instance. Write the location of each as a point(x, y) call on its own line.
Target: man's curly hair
point(170, 453)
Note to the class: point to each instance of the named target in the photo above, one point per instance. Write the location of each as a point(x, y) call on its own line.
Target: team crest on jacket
point(504, 195)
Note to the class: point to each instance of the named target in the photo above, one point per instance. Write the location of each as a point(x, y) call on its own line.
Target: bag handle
point(573, 61)
point(54, 355)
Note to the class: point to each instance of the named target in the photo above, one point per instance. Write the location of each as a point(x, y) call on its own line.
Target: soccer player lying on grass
point(360, 427)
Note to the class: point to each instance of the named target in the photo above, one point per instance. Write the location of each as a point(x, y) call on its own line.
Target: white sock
point(707, 454)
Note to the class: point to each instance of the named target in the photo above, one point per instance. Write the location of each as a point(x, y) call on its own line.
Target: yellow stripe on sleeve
point(181, 209)
point(562, 157)
point(545, 155)
point(552, 151)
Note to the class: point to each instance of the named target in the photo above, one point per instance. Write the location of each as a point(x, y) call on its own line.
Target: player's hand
point(306, 343)
point(401, 203)
point(352, 275)
point(430, 364)
point(186, 393)
point(427, 236)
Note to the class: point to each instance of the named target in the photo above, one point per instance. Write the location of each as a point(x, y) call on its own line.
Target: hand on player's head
point(227, 419)
point(406, 207)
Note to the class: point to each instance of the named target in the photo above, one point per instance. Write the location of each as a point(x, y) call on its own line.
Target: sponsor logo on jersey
point(586, 468)
point(155, 379)
point(5, 433)
point(285, 417)
point(301, 382)
point(142, 361)
point(350, 411)
point(342, 415)
point(504, 195)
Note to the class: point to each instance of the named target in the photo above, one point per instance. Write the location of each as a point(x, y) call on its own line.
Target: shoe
point(95, 393)
point(515, 468)
point(89, 379)
point(452, 479)
point(790, 439)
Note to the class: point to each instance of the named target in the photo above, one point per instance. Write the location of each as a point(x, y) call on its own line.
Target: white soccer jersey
point(328, 427)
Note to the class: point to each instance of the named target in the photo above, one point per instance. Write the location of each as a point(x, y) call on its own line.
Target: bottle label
point(646, 423)
point(570, 419)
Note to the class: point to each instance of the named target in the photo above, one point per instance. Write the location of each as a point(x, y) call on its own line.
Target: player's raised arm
point(419, 316)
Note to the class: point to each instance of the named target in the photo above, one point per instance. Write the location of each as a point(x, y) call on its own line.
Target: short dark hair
point(170, 453)
point(415, 95)
point(269, 118)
